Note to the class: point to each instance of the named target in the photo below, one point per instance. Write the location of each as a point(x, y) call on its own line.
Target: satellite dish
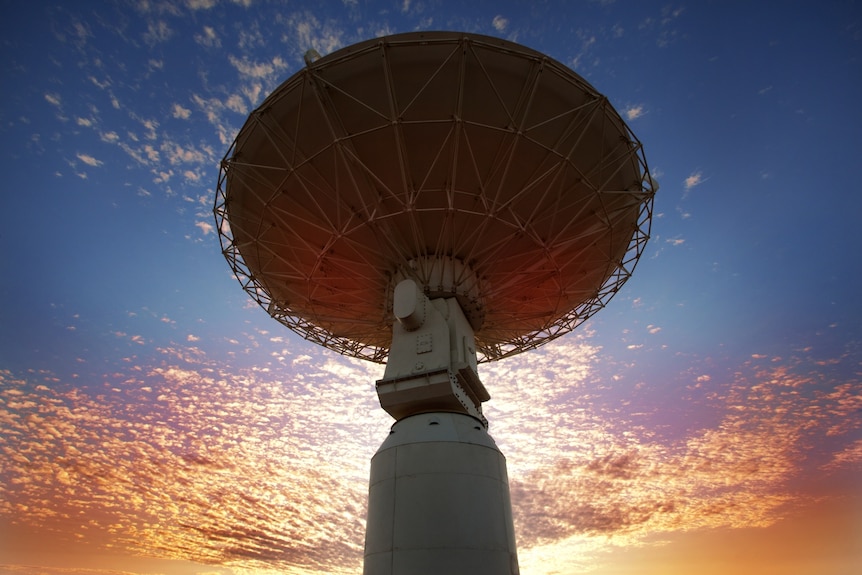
point(474, 166)
point(434, 200)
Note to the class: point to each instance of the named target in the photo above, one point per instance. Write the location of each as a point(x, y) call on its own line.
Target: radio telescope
point(432, 201)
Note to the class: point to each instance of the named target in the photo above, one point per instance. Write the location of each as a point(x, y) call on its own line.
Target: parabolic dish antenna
point(478, 168)
point(432, 200)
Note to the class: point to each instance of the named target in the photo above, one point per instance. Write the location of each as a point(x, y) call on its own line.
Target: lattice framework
point(336, 186)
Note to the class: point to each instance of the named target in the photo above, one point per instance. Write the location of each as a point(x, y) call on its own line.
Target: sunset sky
point(154, 420)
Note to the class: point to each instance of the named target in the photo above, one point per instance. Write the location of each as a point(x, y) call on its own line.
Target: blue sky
point(717, 398)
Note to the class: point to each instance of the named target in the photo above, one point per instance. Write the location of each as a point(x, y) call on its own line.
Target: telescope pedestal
point(438, 501)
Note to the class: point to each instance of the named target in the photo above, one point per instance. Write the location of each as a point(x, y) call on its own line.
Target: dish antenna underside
point(478, 168)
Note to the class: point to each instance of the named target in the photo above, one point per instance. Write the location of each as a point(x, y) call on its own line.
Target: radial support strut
point(438, 499)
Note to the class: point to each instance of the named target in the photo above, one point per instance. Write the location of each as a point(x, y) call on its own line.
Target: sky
point(155, 420)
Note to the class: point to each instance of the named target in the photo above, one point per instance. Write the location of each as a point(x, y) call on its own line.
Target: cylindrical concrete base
point(439, 501)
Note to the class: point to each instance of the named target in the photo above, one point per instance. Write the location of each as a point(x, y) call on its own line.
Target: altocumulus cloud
point(195, 462)
point(694, 180)
point(53, 99)
point(634, 112)
point(89, 160)
point(178, 111)
point(266, 466)
point(208, 38)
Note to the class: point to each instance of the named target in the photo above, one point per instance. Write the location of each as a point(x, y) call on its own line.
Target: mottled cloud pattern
point(193, 458)
point(196, 462)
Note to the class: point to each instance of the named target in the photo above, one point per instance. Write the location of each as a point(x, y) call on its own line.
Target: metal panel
point(439, 501)
point(421, 154)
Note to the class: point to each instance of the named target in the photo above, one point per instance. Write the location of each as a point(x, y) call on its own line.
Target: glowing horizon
point(238, 468)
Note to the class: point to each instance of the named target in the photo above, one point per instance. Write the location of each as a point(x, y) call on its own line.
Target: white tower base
point(438, 501)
